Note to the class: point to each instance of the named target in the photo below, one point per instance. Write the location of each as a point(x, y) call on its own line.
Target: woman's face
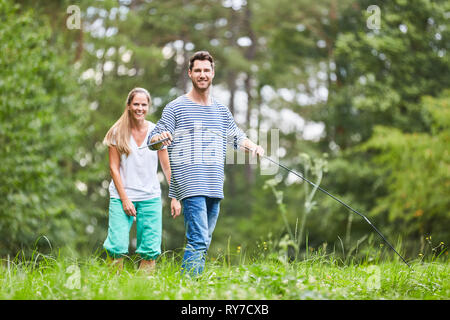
point(139, 106)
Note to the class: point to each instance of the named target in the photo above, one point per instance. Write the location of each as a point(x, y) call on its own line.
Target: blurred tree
point(415, 169)
point(146, 44)
point(280, 64)
point(42, 117)
point(380, 76)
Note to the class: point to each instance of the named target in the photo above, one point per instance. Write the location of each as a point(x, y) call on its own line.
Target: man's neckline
point(203, 105)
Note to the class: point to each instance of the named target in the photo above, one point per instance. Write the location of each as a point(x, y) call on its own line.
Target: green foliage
point(321, 277)
point(381, 74)
point(62, 89)
point(416, 167)
point(383, 81)
point(42, 118)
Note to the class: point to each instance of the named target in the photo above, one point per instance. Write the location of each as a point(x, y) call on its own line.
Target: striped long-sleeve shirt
point(197, 153)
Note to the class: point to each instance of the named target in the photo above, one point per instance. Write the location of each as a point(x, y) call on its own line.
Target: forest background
point(357, 92)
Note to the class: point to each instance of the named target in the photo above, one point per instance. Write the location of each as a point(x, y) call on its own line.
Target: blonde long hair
point(119, 134)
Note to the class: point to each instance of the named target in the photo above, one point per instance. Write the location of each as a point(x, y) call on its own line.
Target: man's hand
point(252, 147)
point(175, 208)
point(163, 135)
point(257, 150)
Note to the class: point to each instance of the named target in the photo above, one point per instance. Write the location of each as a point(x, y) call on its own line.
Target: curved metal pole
point(315, 186)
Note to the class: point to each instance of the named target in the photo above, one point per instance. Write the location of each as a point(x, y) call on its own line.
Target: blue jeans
point(200, 217)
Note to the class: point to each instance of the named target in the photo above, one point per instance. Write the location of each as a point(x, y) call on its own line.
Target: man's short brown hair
point(201, 55)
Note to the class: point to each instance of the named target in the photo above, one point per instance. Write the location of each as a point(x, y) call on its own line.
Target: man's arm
point(249, 145)
point(240, 140)
point(164, 128)
point(234, 133)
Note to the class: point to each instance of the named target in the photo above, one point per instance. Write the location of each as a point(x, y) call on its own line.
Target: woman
point(134, 190)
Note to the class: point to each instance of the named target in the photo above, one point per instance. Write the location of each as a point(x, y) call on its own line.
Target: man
point(202, 127)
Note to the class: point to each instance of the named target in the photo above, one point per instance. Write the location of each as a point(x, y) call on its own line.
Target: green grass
point(319, 277)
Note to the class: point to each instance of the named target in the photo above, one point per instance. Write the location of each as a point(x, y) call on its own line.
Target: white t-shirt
point(139, 172)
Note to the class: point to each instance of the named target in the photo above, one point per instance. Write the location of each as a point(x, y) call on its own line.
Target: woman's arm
point(163, 155)
point(114, 168)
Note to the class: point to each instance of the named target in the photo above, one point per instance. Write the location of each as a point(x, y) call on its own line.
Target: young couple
point(195, 183)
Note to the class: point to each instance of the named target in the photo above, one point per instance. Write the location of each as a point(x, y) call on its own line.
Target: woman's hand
point(128, 207)
point(114, 167)
point(175, 208)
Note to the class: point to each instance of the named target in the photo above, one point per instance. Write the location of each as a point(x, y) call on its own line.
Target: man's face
point(201, 74)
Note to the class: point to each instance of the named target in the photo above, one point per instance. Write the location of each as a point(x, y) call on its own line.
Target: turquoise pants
point(148, 225)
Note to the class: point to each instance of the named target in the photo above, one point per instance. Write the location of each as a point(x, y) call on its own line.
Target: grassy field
point(318, 277)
